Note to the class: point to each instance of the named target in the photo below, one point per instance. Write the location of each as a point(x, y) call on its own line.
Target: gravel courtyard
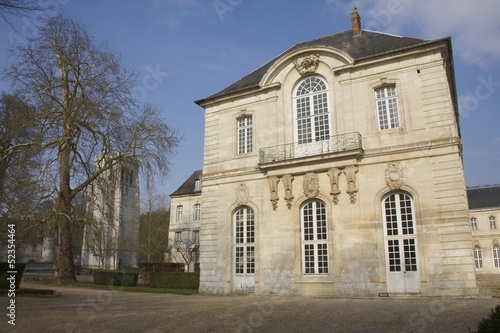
point(90, 310)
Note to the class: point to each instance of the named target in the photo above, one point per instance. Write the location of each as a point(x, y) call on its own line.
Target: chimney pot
point(356, 22)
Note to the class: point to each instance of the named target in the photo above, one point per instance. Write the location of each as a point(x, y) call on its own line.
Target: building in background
point(111, 234)
point(484, 215)
point(185, 223)
point(336, 169)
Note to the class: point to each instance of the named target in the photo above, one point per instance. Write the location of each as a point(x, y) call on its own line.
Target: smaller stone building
point(484, 215)
point(185, 223)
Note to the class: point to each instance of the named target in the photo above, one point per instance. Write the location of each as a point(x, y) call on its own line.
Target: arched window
point(244, 239)
point(314, 238)
point(400, 243)
point(496, 256)
point(478, 257)
point(311, 110)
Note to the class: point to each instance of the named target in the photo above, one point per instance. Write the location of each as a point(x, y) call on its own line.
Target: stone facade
point(484, 215)
point(185, 223)
point(313, 184)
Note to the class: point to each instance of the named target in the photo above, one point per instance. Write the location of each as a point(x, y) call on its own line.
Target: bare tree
point(82, 97)
point(18, 8)
point(153, 226)
point(153, 235)
point(187, 247)
point(19, 162)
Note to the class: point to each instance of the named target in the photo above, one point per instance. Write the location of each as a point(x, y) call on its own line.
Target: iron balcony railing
point(290, 151)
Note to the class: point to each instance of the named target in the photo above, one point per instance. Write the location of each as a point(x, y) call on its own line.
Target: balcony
point(290, 151)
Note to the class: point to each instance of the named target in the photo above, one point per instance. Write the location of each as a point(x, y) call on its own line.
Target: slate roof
point(189, 186)
point(484, 197)
point(369, 44)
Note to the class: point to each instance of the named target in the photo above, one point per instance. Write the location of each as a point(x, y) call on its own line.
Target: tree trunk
point(65, 265)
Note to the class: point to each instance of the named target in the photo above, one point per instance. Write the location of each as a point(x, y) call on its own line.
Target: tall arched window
point(400, 243)
point(244, 249)
point(314, 238)
point(311, 110)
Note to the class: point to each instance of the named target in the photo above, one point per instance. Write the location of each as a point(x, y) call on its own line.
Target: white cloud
point(473, 25)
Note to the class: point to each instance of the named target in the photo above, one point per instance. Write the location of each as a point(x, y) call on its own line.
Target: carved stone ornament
point(242, 194)
point(352, 187)
point(311, 185)
point(334, 174)
point(273, 187)
point(394, 176)
point(307, 64)
point(287, 184)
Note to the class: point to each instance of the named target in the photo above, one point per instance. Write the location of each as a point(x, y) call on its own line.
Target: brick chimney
point(356, 23)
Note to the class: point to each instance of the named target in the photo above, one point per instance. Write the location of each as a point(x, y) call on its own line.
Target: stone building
point(185, 223)
point(484, 212)
point(111, 236)
point(336, 169)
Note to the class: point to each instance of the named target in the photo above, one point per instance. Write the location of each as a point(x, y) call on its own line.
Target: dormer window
point(197, 185)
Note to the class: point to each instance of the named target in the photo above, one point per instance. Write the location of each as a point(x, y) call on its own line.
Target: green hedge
point(4, 268)
point(116, 278)
point(490, 324)
point(174, 280)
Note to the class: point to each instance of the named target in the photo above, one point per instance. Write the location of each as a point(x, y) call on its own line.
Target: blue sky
point(186, 50)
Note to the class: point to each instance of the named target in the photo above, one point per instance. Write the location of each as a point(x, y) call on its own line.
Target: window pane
point(478, 257)
point(312, 111)
point(410, 255)
point(394, 256)
point(496, 256)
point(387, 108)
point(314, 238)
point(245, 135)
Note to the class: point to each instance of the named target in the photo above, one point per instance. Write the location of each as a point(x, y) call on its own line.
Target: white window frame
point(310, 126)
point(315, 252)
point(179, 214)
point(496, 256)
point(387, 105)
point(244, 241)
point(196, 236)
point(245, 135)
point(473, 224)
point(478, 257)
point(493, 222)
point(400, 231)
point(197, 212)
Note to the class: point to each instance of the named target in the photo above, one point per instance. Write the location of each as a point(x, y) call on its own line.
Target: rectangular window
point(178, 236)
point(33, 248)
point(196, 237)
point(245, 135)
point(197, 212)
point(178, 217)
point(493, 222)
point(314, 238)
point(197, 185)
point(387, 107)
point(473, 223)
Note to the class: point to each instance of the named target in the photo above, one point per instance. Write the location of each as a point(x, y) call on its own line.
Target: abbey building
point(336, 169)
